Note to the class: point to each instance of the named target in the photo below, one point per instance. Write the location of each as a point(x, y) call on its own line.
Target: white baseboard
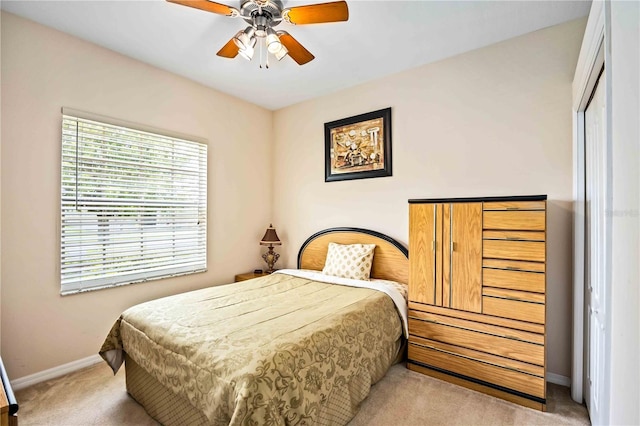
point(52, 373)
point(558, 379)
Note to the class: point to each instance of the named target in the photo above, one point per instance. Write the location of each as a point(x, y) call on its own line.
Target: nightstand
point(249, 275)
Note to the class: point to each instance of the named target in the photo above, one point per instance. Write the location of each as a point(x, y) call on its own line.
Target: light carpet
point(93, 396)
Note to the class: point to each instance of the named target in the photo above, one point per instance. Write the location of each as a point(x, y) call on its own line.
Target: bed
point(294, 347)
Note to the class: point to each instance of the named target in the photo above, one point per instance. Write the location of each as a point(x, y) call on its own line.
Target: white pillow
point(349, 261)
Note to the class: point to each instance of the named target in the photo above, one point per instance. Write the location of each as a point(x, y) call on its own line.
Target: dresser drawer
point(421, 310)
point(512, 364)
point(514, 205)
point(487, 372)
point(513, 265)
point(514, 280)
point(514, 235)
point(514, 220)
point(514, 305)
point(504, 342)
point(514, 250)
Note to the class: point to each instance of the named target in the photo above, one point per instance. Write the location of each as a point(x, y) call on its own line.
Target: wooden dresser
point(477, 294)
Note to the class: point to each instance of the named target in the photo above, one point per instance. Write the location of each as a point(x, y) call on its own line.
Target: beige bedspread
point(269, 351)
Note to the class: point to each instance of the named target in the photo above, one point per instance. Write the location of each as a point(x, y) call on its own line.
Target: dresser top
point(479, 199)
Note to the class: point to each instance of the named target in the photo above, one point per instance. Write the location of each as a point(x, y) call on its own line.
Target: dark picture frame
point(358, 147)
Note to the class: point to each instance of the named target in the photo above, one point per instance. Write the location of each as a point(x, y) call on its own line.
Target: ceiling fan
point(262, 16)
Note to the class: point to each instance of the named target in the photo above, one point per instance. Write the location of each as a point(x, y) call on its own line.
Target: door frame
point(595, 53)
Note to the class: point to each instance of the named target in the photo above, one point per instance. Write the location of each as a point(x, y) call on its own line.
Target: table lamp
point(270, 239)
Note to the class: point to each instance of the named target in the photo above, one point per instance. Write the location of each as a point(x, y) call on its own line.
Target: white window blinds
point(134, 205)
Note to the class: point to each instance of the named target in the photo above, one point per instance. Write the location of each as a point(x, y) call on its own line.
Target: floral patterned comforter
point(273, 350)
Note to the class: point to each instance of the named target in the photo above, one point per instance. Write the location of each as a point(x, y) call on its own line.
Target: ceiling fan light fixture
point(247, 52)
point(281, 53)
point(262, 16)
point(261, 24)
point(236, 39)
point(273, 41)
point(243, 38)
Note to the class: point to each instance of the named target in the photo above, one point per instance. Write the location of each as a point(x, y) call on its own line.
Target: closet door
point(595, 254)
point(425, 248)
point(462, 256)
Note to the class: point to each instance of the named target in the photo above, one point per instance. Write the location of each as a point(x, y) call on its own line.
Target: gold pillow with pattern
point(349, 261)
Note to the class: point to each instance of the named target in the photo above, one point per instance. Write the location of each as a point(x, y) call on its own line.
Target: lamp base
point(271, 257)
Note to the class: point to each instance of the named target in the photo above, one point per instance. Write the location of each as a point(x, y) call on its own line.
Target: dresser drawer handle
point(513, 268)
point(513, 208)
point(513, 238)
point(517, 299)
point(514, 338)
point(520, 339)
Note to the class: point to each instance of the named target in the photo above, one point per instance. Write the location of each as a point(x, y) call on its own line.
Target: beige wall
point(43, 70)
point(495, 121)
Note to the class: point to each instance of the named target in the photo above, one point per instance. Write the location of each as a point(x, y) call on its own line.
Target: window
point(133, 204)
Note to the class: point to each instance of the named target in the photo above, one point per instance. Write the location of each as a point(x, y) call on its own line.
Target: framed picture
point(358, 147)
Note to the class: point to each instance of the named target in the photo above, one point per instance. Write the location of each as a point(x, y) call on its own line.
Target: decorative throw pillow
point(349, 261)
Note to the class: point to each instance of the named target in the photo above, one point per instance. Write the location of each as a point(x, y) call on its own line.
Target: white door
point(595, 260)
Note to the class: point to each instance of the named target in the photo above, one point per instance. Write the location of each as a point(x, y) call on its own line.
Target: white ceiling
point(380, 38)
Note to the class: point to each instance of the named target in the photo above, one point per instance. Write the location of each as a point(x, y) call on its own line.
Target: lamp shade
point(282, 52)
point(273, 41)
point(270, 237)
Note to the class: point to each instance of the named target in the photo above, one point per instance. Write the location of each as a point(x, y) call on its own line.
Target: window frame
point(141, 275)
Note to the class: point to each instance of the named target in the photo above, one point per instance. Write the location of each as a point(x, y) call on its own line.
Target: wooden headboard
point(390, 258)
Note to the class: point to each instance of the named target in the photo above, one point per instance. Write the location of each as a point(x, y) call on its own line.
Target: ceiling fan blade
point(318, 13)
point(229, 50)
point(297, 51)
point(206, 5)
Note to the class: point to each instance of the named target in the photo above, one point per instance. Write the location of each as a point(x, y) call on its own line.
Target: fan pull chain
point(267, 55)
point(260, 55)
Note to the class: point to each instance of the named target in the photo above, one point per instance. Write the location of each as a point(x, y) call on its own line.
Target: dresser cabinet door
point(425, 248)
point(445, 246)
point(462, 275)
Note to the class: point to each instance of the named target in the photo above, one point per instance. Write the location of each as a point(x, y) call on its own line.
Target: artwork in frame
point(358, 147)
